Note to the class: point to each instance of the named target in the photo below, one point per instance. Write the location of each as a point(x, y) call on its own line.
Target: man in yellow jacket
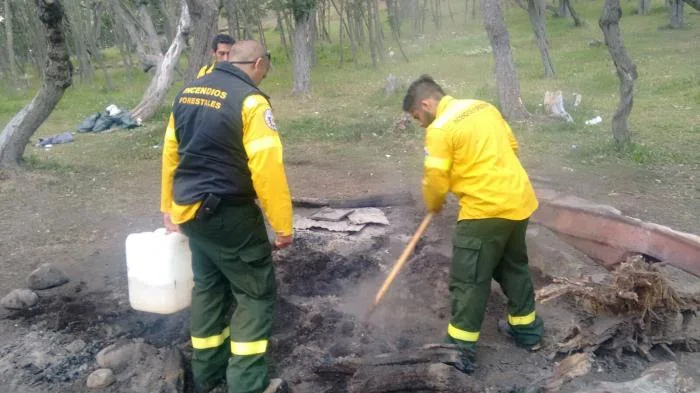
point(220, 48)
point(221, 153)
point(470, 151)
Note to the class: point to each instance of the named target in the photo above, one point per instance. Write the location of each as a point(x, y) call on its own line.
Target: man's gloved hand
point(282, 241)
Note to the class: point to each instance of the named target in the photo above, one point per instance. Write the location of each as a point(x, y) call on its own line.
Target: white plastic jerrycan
point(160, 271)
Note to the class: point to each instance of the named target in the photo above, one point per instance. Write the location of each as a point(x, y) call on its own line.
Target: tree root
point(636, 312)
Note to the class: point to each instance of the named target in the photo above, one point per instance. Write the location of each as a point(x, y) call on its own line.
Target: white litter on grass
point(594, 121)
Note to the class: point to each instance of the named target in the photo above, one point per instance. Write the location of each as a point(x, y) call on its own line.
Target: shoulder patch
point(270, 119)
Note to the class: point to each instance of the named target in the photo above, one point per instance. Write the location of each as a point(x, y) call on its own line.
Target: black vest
point(209, 132)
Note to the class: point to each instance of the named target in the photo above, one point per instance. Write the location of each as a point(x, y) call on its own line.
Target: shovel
point(399, 264)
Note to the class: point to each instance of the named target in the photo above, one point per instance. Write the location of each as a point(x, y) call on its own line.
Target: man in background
point(220, 49)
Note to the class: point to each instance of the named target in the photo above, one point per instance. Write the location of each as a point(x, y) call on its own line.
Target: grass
point(348, 105)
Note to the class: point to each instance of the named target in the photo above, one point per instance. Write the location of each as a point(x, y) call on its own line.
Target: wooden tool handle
point(403, 258)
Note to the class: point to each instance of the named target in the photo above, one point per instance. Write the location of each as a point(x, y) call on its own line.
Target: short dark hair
point(422, 88)
point(221, 39)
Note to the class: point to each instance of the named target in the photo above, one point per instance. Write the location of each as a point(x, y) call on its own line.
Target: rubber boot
point(467, 359)
point(505, 328)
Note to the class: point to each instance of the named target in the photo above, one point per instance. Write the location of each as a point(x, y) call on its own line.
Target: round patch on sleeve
point(270, 120)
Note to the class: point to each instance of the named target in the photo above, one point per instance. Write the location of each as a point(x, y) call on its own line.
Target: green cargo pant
point(484, 249)
point(232, 266)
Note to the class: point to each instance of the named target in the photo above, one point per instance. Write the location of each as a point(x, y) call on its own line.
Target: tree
point(506, 77)
point(158, 88)
point(693, 3)
point(9, 36)
point(304, 14)
point(626, 70)
point(205, 15)
point(137, 26)
point(675, 13)
point(58, 72)
point(535, 9)
point(644, 7)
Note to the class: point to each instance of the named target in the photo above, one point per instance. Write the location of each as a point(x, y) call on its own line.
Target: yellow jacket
point(264, 150)
point(207, 69)
point(471, 151)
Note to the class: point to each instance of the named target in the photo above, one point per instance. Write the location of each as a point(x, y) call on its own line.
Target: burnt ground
point(78, 219)
point(324, 291)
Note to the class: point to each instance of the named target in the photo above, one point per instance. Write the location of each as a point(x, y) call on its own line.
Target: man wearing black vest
point(221, 152)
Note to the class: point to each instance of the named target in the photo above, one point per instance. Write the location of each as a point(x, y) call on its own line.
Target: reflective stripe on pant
point(485, 249)
point(232, 266)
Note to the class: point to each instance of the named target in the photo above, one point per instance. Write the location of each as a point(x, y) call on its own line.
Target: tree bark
point(158, 88)
point(58, 72)
point(204, 14)
point(675, 13)
point(693, 3)
point(9, 37)
point(573, 13)
point(644, 6)
point(506, 76)
point(303, 41)
point(232, 17)
point(395, 25)
point(132, 26)
point(535, 8)
point(626, 70)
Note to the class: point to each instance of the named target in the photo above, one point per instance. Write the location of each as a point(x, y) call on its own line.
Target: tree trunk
point(131, 25)
point(204, 14)
point(644, 7)
point(9, 36)
point(675, 14)
point(506, 76)
point(158, 88)
point(626, 70)
point(563, 9)
point(573, 13)
point(58, 72)
point(372, 34)
point(395, 25)
point(232, 17)
point(280, 27)
point(693, 3)
point(303, 41)
point(152, 41)
point(535, 8)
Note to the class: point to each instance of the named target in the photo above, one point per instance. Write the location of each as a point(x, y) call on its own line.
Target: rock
point(46, 276)
point(661, 378)
point(303, 223)
point(100, 378)
point(119, 357)
point(76, 346)
point(19, 299)
point(368, 215)
point(330, 214)
point(393, 85)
